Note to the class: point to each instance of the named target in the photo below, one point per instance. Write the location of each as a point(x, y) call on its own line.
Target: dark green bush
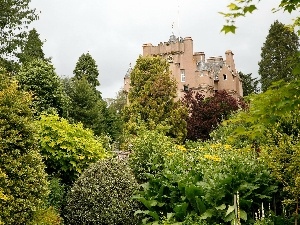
point(57, 194)
point(103, 195)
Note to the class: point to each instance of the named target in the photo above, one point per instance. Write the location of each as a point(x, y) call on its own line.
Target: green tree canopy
point(14, 20)
point(117, 104)
point(33, 48)
point(40, 78)
point(250, 85)
point(152, 99)
point(23, 183)
point(87, 67)
point(87, 106)
point(277, 55)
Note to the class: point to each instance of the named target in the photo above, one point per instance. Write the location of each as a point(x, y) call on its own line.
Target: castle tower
point(192, 70)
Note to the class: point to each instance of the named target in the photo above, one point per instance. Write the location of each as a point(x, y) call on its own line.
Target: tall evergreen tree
point(32, 48)
point(250, 85)
point(152, 99)
point(87, 67)
point(277, 55)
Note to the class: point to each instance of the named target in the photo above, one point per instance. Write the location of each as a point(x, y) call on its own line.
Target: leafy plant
point(206, 113)
point(23, 181)
point(201, 179)
point(103, 195)
point(47, 216)
point(67, 148)
point(148, 150)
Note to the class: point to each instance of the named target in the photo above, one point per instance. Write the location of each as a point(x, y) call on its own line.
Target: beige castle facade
point(192, 70)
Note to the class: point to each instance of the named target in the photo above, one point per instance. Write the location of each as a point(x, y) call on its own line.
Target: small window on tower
point(182, 75)
point(225, 76)
point(185, 88)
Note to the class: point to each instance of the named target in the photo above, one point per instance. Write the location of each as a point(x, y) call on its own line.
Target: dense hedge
point(23, 183)
point(103, 195)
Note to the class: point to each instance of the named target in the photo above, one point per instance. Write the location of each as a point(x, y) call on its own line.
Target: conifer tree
point(32, 48)
point(277, 55)
point(250, 85)
point(87, 67)
point(152, 99)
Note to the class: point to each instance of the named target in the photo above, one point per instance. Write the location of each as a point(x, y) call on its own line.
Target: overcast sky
point(113, 31)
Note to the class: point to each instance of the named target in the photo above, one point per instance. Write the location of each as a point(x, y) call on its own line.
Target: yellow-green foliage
point(48, 216)
point(23, 183)
point(67, 148)
point(282, 155)
point(148, 151)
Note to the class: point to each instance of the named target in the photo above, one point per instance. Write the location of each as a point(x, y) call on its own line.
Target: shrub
point(68, 149)
point(102, 195)
point(148, 151)
point(48, 216)
point(57, 194)
point(23, 183)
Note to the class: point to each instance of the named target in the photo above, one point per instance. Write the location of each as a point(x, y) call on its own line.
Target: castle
point(192, 71)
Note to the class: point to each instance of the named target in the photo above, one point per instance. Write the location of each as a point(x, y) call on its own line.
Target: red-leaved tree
point(206, 113)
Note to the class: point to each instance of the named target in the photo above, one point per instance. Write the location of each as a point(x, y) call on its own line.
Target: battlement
point(173, 46)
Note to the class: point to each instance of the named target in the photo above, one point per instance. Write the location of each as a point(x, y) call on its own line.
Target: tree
point(238, 8)
point(87, 106)
point(152, 99)
point(206, 113)
point(117, 104)
point(250, 85)
point(23, 183)
point(14, 20)
point(87, 67)
point(279, 49)
point(40, 78)
point(32, 48)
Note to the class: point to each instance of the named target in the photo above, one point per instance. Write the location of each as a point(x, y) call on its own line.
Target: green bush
point(103, 195)
point(148, 151)
point(57, 194)
point(48, 216)
point(68, 149)
point(23, 183)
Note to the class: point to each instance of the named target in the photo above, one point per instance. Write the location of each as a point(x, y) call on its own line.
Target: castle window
point(182, 75)
point(225, 76)
point(185, 88)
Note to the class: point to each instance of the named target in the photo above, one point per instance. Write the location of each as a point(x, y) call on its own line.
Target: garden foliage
point(148, 150)
point(103, 195)
point(67, 148)
point(23, 183)
point(197, 183)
